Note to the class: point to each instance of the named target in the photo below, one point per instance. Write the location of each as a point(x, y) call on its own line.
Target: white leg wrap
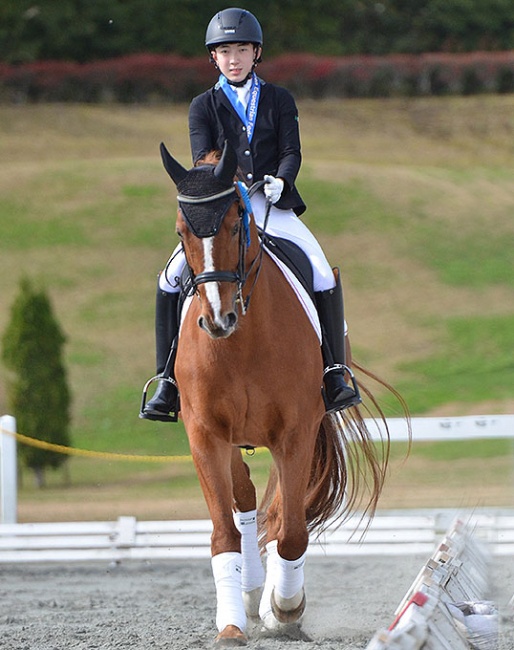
point(289, 578)
point(253, 571)
point(226, 569)
point(285, 580)
point(265, 612)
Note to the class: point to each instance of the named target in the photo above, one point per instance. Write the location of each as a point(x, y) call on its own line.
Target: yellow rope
point(104, 455)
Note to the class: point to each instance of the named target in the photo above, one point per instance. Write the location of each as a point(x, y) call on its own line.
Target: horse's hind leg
point(245, 518)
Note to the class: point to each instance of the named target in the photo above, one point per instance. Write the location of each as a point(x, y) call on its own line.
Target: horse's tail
point(348, 468)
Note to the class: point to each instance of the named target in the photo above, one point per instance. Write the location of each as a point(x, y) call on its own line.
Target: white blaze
point(211, 288)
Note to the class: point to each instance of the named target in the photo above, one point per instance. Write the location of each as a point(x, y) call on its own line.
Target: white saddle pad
point(301, 293)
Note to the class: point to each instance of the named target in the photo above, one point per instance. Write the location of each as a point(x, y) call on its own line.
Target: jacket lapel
point(222, 100)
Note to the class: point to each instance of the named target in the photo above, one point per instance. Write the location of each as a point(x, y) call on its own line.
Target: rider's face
point(235, 60)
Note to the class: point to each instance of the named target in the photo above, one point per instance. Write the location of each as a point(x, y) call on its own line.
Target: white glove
point(273, 188)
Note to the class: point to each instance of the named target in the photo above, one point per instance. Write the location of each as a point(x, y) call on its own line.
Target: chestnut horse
point(249, 372)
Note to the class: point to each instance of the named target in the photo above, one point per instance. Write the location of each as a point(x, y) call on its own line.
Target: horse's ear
point(175, 170)
point(227, 166)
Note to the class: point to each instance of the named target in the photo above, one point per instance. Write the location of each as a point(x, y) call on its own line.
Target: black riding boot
point(338, 395)
point(164, 405)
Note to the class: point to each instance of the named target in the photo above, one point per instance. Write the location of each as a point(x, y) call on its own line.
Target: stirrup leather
point(172, 416)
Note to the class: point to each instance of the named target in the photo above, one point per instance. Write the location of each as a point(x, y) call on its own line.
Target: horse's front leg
point(245, 517)
point(213, 465)
point(283, 599)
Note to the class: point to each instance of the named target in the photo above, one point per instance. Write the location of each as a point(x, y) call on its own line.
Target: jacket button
point(247, 152)
point(249, 176)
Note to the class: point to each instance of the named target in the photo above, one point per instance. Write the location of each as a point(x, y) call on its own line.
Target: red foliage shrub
point(157, 77)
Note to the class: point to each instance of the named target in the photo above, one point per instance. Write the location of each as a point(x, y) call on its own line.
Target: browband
point(205, 199)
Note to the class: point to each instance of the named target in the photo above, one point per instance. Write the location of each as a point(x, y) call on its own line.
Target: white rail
point(468, 427)
point(391, 533)
point(8, 476)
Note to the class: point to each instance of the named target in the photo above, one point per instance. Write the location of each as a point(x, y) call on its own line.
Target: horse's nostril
point(231, 319)
point(220, 328)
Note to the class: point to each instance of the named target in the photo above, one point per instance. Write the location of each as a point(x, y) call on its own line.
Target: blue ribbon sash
point(248, 116)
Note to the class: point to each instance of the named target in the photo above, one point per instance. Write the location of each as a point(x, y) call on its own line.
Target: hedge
point(158, 78)
point(90, 30)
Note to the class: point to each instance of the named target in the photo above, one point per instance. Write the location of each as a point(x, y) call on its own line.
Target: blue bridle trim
point(247, 210)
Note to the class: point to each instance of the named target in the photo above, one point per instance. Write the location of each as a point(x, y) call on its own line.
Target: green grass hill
point(412, 198)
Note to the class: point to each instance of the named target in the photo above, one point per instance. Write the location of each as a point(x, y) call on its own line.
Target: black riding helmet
point(233, 26)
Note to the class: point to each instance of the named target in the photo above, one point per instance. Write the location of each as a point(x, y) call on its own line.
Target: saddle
point(294, 258)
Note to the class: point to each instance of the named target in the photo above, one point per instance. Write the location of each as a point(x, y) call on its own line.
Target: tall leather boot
point(164, 405)
point(337, 394)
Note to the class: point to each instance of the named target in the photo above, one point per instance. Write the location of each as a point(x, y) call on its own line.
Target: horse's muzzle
point(220, 328)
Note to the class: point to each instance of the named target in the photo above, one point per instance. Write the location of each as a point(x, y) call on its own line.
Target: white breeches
point(281, 223)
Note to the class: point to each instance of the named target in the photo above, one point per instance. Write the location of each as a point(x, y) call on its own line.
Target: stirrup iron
point(172, 416)
point(355, 401)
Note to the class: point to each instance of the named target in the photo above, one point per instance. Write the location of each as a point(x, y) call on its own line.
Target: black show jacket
point(275, 146)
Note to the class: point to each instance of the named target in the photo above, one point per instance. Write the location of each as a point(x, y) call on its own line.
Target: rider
point(260, 120)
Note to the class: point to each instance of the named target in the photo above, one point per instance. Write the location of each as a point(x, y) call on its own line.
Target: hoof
point(230, 637)
point(288, 616)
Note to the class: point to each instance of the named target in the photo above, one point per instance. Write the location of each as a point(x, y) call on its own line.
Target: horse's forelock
point(211, 158)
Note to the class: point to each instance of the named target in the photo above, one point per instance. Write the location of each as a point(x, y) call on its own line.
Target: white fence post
point(8, 478)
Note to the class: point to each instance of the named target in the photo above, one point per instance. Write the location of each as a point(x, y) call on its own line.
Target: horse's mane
point(210, 158)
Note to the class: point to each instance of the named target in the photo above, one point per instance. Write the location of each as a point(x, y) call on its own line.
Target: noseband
point(239, 276)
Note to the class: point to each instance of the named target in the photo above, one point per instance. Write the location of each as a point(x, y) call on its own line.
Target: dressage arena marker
point(455, 574)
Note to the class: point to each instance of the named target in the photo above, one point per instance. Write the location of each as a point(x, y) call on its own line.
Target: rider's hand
point(273, 188)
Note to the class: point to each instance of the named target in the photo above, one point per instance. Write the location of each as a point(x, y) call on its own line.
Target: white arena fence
point(390, 533)
point(397, 532)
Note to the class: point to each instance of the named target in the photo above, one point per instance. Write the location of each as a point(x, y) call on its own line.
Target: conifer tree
point(37, 390)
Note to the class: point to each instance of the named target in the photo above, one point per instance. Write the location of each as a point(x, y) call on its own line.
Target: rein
point(240, 276)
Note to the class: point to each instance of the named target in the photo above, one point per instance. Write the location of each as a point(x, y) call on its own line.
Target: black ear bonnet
point(204, 199)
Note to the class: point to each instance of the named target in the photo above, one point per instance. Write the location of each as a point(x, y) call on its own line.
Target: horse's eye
point(179, 234)
point(235, 229)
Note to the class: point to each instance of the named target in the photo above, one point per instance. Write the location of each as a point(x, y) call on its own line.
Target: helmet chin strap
point(240, 84)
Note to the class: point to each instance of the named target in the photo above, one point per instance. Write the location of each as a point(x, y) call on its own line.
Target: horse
point(249, 373)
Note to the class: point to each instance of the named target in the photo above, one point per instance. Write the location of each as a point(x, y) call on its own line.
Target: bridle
point(240, 275)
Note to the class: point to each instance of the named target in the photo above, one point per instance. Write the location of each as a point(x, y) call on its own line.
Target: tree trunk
point(39, 474)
